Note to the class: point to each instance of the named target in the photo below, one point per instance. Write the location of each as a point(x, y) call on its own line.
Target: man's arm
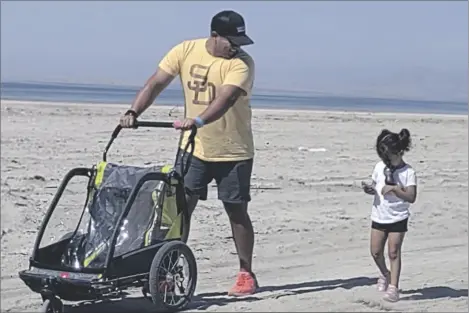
point(152, 88)
point(168, 68)
point(225, 99)
point(237, 83)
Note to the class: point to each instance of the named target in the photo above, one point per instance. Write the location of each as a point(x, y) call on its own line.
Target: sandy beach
point(310, 216)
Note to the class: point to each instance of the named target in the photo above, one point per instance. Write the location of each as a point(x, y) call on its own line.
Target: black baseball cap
point(230, 25)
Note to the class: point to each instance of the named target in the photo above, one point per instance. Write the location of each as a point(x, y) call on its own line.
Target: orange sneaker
point(246, 284)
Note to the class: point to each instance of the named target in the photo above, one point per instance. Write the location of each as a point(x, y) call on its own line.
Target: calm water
point(261, 99)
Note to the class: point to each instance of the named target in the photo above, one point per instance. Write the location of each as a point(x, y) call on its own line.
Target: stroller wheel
point(52, 306)
point(172, 283)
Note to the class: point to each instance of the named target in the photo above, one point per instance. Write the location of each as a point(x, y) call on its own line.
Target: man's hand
point(128, 120)
point(387, 189)
point(186, 124)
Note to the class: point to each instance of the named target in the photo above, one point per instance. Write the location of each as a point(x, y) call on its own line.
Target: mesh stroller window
point(90, 248)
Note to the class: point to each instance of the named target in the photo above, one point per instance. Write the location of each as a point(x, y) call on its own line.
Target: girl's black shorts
point(398, 227)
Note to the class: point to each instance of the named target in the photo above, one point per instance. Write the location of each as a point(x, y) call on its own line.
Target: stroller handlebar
point(154, 124)
point(138, 124)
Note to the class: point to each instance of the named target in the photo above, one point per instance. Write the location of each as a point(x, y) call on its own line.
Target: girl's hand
point(368, 189)
point(387, 189)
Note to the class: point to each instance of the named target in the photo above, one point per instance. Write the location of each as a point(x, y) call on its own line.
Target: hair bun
point(404, 134)
point(404, 138)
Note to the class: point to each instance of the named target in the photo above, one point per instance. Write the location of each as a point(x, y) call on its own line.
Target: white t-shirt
point(389, 208)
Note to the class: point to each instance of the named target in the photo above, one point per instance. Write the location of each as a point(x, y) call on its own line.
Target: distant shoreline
point(5, 102)
point(262, 99)
point(258, 91)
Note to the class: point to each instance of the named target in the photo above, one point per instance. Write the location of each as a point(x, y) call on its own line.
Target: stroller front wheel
point(52, 306)
point(171, 287)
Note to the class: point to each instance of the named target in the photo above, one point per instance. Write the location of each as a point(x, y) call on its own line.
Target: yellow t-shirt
point(230, 137)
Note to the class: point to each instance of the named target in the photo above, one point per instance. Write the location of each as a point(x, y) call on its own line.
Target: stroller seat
point(153, 215)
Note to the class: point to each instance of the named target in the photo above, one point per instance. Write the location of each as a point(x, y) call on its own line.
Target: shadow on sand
point(205, 300)
point(437, 292)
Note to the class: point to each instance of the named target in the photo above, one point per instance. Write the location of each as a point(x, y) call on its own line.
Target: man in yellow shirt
point(217, 77)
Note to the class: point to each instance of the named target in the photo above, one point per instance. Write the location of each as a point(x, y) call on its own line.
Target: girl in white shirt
point(394, 187)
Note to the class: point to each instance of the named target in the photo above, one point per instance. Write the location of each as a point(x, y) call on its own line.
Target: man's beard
point(233, 52)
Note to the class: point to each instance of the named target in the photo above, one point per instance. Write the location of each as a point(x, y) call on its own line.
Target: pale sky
point(397, 49)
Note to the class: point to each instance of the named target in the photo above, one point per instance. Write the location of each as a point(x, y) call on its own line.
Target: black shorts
point(233, 178)
point(398, 227)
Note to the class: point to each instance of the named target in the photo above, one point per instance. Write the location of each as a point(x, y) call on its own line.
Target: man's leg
point(196, 181)
point(234, 181)
point(191, 200)
point(243, 233)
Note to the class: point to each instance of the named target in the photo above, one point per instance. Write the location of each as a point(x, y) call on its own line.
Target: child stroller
point(132, 233)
